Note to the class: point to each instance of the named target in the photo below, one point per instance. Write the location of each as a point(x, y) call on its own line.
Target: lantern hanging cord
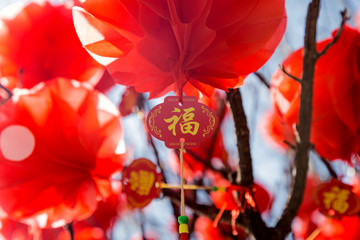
point(182, 206)
point(183, 219)
point(181, 88)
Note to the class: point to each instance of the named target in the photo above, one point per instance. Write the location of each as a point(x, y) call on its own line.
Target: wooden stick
point(182, 208)
point(186, 186)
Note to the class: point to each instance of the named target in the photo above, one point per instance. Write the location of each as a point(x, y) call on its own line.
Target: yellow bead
point(183, 228)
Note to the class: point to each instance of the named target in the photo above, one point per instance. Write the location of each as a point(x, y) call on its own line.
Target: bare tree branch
point(8, 92)
point(305, 116)
point(329, 167)
point(242, 136)
point(250, 218)
point(289, 75)
point(289, 144)
point(70, 228)
point(344, 18)
point(262, 79)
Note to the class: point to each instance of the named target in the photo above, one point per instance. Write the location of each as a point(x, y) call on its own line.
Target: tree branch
point(8, 92)
point(242, 136)
point(70, 228)
point(289, 75)
point(329, 167)
point(305, 115)
point(262, 79)
point(344, 18)
point(250, 218)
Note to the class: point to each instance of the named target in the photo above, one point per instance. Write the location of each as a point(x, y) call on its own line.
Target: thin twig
point(9, 95)
point(70, 228)
point(289, 144)
point(344, 19)
point(141, 102)
point(289, 75)
point(142, 228)
point(262, 79)
point(325, 161)
point(329, 167)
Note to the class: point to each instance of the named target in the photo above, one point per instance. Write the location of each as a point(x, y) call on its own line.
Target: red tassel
point(184, 236)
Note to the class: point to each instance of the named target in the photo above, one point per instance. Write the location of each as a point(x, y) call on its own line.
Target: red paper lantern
point(38, 42)
point(59, 145)
point(139, 183)
point(158, 46)
point(336, 199)
point(172, 121)
point(335, 121)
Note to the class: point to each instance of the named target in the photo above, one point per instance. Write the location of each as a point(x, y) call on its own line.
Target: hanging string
point(218, 216)
point(234, 215)
point(183, 219)
point(182, 208)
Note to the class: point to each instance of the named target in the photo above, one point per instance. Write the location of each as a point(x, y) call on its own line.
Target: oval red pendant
point(171, 121)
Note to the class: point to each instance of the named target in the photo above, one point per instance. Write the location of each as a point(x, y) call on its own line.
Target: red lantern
point(60, 144)
point(171, 121)
point(38, 42)
point(158, 46)
point(336, 199)
point(335, 124)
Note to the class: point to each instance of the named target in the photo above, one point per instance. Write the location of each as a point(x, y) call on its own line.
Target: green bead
point(214, 189)
point(183, 219)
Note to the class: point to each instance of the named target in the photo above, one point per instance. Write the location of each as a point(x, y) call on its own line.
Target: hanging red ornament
point(336, 199)
point(170, 121)
point(139, 183)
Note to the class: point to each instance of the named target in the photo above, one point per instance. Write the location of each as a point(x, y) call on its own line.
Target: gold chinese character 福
point(141, 182)
point(336, 199)
point(187, 125)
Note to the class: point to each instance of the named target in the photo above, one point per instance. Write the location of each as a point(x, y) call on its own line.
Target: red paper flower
point(335, 130)
point(38, 42)
point(157, 46)
point(59, 145)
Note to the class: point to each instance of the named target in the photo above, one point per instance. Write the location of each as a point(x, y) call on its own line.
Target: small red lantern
point(172, 120)
point(336, 199)
point(139, 183)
